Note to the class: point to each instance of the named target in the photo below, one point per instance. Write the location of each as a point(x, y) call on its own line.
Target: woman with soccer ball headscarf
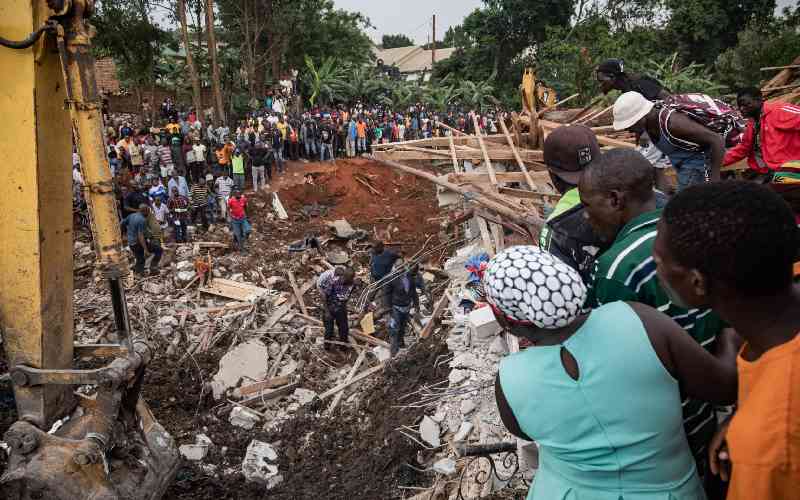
point(598, 391)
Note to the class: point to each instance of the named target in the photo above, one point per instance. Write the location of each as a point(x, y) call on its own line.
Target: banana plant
point(323, 80)
point(478, 95)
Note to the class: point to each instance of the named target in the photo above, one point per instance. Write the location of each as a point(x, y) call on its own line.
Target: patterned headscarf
point(531, 286)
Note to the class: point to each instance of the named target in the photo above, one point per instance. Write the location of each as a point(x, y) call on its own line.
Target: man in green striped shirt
point(617, 192)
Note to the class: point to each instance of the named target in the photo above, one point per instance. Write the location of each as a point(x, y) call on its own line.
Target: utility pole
point(433, 43)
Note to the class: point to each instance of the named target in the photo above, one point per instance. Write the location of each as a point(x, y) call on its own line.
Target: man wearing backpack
point(682, 133)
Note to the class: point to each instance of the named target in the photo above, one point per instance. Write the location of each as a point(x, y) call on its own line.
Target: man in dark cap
point(612, 76)
point(567, 234)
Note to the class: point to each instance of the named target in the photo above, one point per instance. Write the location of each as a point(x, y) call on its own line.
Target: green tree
point(394, 41)
point(774, 42)
point(478, 95)
point(701, 29)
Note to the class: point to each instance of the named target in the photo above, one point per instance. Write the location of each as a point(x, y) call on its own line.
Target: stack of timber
point(785, 85)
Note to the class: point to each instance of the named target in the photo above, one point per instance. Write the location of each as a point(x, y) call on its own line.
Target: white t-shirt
point(199, 152)
point(224, 186)
point(161, 213)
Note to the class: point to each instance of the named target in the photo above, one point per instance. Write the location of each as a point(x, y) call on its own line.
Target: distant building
point(412, 62)
point(106, 74)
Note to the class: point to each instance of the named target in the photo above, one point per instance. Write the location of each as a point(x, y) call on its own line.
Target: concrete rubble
point(248, 360)
point(261, 464)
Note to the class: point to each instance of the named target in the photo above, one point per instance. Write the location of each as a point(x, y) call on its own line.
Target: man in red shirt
point(237, 209)
point(771, 144)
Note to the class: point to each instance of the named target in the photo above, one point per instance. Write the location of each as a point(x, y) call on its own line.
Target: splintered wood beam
point(454, 155)
point(349, 378)
point(344, 385)
point(438, 310)
point(486, 158)
point(783, 77)
point(443, 142)
point(528, 219)
point(554, 106)
point(520, 163)
point(540, 177)
point(528, 156)
point(601, 139)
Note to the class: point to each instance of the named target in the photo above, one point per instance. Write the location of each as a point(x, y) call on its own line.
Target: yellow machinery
point(535, 97)
point(105, 445)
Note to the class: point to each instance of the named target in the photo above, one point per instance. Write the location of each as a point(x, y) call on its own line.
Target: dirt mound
point(404, 204)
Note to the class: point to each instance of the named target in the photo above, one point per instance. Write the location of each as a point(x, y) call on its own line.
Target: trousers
point(258, 174)
point(339, 318)
point(138, 252)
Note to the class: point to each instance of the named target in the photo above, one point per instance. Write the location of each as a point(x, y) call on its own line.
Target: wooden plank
point(443, 142)
point(454, 155)
point(485, 238)
point(540, 177)
point(531, 195)
point(269, 395)
point(344, 385)
point(589, 106)
point(486, 158)
point(296, 289)
point(528, 156)
point(245, 292)
point(438, 310)
point(270, 383)
point(349, 378)
point(285, 308)
point(783, 77)
point(520, 163)
point(595, 116)
point(773, 68)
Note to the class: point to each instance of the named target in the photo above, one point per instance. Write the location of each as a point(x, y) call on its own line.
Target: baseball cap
point(568, 150)
point(611, 67)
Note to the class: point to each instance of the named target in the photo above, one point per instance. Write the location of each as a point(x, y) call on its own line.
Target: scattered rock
point(185, 277)
point(185, 265)
point(429, 431)
point(463, 432)
point(153, 288)
point(467, 406)
point(382, 353)
point(244, 418)
point(445, 466)
point(288, 368)
point(261, 464)
point(304, 396)
point(237, 277)
point(193, 452)
point(440, 416)
point(458, 376)
point(246, 360)
point(275, 280)
point(499, 346)
point(483, 323)
point(165, 321)
point(464, 360)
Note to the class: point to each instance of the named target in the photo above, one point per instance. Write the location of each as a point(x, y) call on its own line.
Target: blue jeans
point(689, 175)
point(279, 160)
point(397, 327)
point(240, 233)
point(311, 148)
point(361, 145)
point(326, 147)
point(239, 180)
point(180, 231)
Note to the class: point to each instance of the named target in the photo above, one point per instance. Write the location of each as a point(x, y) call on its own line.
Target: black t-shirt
point(134, 199)
point(649, 87)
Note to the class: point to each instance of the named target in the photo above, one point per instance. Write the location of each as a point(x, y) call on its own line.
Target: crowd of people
point(660, 335)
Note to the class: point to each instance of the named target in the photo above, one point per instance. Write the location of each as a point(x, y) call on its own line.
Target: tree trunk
point(219, 109)
point(250, 64)
point(198, 105)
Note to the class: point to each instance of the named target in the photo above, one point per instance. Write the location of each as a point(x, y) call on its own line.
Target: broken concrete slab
point(245, 360)
point(457, 376)
point(185, 265)
point(445, 466)
point(342, 229)
point(243, 417)
point(261, 464)
point(153, 288)
point(184, 277)
point(463, 431)
point(304, 396)
point(429, 430)
point(499, 346)
point(483, 323)
point(467, 406)
point(193, 452)
point(382, 353)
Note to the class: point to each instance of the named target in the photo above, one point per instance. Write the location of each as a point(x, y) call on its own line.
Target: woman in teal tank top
point(598, 392)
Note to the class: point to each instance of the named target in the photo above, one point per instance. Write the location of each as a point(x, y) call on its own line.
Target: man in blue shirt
point(141, 245)
point(381, 264)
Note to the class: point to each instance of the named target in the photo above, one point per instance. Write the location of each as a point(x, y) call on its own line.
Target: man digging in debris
point(141, 245)
point(402, 293)
point(335, 286)
point(381, 265)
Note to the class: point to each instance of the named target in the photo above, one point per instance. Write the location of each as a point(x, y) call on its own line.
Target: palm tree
point(478, 95)
point(439, 96)
point(359, 83)
point(323, 81)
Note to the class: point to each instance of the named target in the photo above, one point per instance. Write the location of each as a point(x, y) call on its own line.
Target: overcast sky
point(410, 17)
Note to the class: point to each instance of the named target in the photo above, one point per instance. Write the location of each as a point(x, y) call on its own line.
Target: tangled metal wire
point(510, 462)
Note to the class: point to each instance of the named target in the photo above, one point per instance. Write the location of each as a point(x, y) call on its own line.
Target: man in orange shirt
point(225, 154)
point(361, 137)
point(731, 246)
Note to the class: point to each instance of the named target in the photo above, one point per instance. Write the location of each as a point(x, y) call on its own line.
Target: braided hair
point(736, 232)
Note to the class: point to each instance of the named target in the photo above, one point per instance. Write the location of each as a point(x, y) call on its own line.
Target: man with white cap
point(695, 151)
